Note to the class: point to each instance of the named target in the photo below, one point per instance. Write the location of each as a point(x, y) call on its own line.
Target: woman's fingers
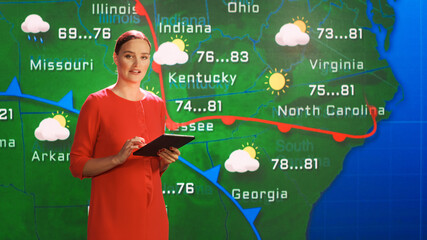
point(129, 146)
point(138, 141)
point(169, 155)
point(167, 158)
point(175, 151)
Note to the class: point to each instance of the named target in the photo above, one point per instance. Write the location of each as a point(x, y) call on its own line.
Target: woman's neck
point(129, 92)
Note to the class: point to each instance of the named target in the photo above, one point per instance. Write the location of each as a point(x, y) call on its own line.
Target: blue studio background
point(381, 193)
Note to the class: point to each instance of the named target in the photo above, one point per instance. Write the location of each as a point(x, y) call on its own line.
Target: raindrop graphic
point(35, 39)
point(41, 40)
point(29, 38)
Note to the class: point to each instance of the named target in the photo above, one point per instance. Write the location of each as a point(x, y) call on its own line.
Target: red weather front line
point(228, 120)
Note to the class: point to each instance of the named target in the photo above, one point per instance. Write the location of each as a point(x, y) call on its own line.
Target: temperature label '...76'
point(180, 188)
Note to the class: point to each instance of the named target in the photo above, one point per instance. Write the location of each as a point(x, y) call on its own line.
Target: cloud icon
point(34, 24)
point(51, 130)
point(170, 54)
point(240, 161)
point(291, 35)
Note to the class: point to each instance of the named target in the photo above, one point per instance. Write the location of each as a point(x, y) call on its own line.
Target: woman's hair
point(127, 36)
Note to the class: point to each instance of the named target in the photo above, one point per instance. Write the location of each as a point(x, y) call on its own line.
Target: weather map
point(277, 93)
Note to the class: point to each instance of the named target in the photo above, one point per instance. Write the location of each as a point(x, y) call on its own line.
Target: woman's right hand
point(127, 149)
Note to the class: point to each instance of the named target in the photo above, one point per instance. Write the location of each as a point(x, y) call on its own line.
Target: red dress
point(127, 201)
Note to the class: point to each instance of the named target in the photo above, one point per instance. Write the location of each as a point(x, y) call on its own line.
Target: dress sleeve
point(163, 116)
point(85, 136)
point(163, 121)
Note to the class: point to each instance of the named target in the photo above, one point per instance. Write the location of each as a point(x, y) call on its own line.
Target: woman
point(126, 195)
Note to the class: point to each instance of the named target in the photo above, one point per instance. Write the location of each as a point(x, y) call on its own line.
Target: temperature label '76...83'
point(234, 57)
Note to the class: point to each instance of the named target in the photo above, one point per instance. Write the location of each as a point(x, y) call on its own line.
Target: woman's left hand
point(168, 156)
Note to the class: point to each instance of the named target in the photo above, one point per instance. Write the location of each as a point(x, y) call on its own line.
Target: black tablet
point(164, 141)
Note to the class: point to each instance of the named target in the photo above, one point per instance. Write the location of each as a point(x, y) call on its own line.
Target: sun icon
point(277, 82)
point(152, 90)
point(180, 42)
point(251, 150)
point(302, 24)
point(63, 121)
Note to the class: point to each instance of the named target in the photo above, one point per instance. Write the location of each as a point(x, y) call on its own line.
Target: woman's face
point(133, 60)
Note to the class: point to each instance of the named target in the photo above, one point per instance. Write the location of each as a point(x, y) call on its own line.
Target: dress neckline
point(127, 100)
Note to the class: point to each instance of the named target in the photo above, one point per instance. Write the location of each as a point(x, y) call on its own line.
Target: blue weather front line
point(212, 174)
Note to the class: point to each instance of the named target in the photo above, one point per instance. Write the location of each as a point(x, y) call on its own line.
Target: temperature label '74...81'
point(213, 106)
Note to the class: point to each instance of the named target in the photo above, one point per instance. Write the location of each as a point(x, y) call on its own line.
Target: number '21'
point(4, 113)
